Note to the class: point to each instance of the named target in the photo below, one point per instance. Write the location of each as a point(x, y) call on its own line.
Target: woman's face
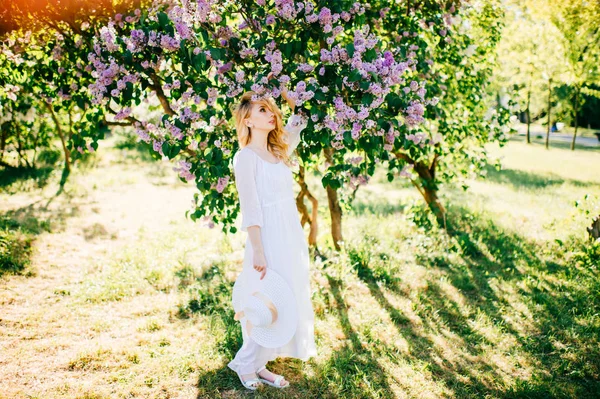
point(261, 118)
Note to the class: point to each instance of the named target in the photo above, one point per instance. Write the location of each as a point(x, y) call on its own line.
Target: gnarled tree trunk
point(594, 229)
point(428, 188)
point(311, 219)
point(63, 141)
point(335, 210)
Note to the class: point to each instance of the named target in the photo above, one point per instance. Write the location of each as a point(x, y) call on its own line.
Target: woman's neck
point(259, 139)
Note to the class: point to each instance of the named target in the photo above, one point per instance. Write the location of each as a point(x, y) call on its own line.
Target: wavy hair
point(277, 140)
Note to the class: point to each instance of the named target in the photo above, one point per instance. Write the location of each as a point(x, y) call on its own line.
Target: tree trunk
point(335, 209)
point(164, 102)
point(3, 136)
point(306, 218)
point(336, 217)
point(429, 191)
point(67, 167)
point(20, 149)
point(549, 111)
point(576, 109)
point(435, 205)
point(528, 114)
point(594, 229)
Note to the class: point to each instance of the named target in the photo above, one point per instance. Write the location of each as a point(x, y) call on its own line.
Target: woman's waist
point(277, 200)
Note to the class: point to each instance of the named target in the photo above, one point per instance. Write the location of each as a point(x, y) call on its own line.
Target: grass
point(127, 298)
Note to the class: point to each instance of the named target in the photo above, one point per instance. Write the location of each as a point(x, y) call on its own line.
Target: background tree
point(577, 22)
point(43, 69)
point(526, 50)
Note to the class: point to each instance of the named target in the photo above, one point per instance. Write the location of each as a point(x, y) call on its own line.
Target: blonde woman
point(275, 236)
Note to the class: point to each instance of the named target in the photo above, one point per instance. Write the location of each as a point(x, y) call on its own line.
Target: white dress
point(267, 200)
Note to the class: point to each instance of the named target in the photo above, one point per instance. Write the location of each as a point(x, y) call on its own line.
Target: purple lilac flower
point(123, 113)
point(222, 183)
point(406, 171)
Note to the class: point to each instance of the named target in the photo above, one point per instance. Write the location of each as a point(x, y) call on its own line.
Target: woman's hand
point(291, 103)
point(284, 93)
point(260, 263)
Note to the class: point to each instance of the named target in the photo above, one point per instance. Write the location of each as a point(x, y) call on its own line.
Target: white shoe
point(276, 383)
point(252, 384)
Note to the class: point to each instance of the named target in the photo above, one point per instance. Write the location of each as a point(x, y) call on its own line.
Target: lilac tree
point(196, 59)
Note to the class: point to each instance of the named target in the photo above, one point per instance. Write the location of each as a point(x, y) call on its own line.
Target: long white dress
point(267, 200)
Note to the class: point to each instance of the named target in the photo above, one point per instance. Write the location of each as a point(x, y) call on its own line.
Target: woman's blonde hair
point(277, 138)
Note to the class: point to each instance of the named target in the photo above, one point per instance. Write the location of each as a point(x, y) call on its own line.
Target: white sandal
point(276, 383)
point(249, 383)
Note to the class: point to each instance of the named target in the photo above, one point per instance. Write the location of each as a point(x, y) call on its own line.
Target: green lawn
point(122, 297)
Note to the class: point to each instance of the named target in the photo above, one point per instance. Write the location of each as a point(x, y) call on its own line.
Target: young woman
point(275, 236)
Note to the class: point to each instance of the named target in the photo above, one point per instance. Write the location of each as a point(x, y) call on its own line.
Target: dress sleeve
point(294, 126)
point(244, 166)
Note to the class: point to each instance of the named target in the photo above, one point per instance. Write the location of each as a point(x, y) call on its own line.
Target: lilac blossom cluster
point(183, 168)
point(367, 72)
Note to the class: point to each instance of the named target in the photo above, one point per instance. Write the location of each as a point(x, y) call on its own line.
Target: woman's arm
point(284, 93)
point(244, 164)
point(259, 261)
point(291, 103)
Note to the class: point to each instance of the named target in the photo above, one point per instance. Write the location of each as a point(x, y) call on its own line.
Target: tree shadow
point(352, 364)
point(489, 253)
point(19, 229)
point(210, 295)
point(538, 140)
point(377, 207)
point(13, 180)
point(528, 180)
point(553, 341)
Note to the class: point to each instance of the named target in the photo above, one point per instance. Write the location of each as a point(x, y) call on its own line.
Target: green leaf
point(204, 35)
point(163, 19)
point(350, 50)
point(166, 147)
point(128, 92)
point(200, 62)
point(215, 53)
point(128, 58)
point(354, 76)
point(286, 49)
point(174, 151)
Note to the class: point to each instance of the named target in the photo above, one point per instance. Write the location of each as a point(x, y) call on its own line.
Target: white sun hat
point(267, 308)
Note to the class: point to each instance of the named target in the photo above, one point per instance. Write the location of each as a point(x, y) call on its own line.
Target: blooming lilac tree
point(43, 83)
point(401, 86)
point(456, 47)
point(356, 91)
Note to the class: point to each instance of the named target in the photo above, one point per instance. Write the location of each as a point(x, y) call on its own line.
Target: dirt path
point(44, 330)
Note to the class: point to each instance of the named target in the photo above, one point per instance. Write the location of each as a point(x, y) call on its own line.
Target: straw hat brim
point(276, 288)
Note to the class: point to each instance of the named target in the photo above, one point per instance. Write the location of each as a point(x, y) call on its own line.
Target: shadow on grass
point(382, 207)
point(133, 150)
point(555, 144)
point(17, 235)
point(558, 296)
point(13, 180)
point(542, 311)
point(19, 229)
point(529, 180)
point(210, 295)
point(342, 375)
